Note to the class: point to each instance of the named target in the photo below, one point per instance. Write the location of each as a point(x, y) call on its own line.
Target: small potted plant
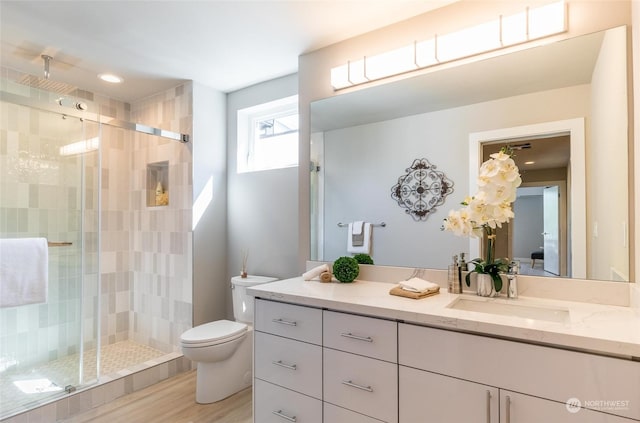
point(346, 269)
point(363, 258)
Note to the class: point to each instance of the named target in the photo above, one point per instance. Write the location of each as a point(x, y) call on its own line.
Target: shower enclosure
point(49, 190)
point(90, 189)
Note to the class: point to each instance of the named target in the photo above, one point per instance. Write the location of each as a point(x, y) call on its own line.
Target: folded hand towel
point(397, 290)
point(24, 270)
point(365, 248)
point(418, 285)
point(357, 233)
point(315, 272)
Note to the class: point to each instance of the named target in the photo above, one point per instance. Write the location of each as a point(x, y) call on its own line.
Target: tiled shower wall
point(146, 250)
point(115, 244)
point(162, 235)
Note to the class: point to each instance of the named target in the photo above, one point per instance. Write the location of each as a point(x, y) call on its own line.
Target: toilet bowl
point(223, 349)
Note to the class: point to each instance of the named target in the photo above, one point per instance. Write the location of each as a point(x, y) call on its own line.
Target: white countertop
point(606, 329)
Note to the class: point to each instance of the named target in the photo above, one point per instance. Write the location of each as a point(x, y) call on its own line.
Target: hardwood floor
point(170, 401)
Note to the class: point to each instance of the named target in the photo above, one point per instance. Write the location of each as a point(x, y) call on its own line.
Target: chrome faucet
point(512, 279)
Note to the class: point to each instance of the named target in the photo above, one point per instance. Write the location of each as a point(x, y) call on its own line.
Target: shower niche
point(158, 184)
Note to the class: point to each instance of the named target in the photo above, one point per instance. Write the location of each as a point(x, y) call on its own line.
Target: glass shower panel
point(49, 175)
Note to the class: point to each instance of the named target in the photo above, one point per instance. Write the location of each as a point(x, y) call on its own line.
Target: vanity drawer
point(293, 364)
point(335, 414)
point(367, 336)
point(365, 385)
point(274, 404)
point(292, 321)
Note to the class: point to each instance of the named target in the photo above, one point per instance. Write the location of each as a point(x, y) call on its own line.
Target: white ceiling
point(155, 45)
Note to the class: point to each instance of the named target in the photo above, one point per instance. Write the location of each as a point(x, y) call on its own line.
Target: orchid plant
point(486, 211)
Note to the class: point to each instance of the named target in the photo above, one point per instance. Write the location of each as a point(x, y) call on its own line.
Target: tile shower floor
point(64, 371)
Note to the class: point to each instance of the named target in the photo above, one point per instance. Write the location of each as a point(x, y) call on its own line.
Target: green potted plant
point(363, 258)
point(346, 269)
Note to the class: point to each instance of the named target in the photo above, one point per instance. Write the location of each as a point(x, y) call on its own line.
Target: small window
point(268, 136)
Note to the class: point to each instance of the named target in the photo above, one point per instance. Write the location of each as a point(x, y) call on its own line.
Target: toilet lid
point(220, 330)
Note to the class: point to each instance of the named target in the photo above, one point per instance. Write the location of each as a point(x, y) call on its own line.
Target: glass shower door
point(49, 188)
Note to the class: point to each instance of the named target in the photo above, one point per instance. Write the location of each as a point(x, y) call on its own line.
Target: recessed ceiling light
point(529, 163)
point(109, 77)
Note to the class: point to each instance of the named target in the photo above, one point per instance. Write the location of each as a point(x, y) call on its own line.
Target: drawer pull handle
point(508, 410)
point(488, 406)
point(286, 366)
point(280, 414)
point(285, 322)
point(359, 338)
point(355, 385)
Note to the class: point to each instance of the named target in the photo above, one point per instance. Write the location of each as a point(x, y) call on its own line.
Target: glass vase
point(485, 287)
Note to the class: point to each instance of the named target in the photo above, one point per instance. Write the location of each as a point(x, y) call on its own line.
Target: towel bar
point(59, 244)
point(383, 224)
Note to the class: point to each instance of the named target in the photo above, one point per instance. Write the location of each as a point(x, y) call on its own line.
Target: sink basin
point(550, 314)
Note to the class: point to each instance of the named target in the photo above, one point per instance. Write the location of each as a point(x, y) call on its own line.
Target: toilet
point(223, 349)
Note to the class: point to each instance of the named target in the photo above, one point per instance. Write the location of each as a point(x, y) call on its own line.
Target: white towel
point(365, 248)
point(356, 228)
point(315, 272)
point(418, 285)
point(357, 233)
point(24, 270)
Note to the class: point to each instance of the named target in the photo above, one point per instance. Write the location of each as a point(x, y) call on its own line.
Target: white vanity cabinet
point(360, 370)
point(316, 365)
point(275, 404)
point(335, 414)
point(430, 397)
point(367, 336)
point(520, 408)
point(289, 320)
point(287, 363)
point(427, 397)
point(544, 378)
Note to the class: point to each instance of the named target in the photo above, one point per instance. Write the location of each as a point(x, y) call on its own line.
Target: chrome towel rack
point(342, 225)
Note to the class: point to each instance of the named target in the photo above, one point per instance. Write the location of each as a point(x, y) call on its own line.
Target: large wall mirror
point(362, 141)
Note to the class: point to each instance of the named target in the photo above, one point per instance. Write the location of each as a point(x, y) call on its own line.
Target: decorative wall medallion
point(421, 189)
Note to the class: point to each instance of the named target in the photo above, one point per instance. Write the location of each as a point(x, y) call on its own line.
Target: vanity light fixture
point(529, 162)
point(111, 78)
point(528, 25)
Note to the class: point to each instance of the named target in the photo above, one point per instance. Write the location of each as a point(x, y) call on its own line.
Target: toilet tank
point(243, 302)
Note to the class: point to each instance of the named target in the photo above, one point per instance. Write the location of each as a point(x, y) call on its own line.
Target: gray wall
point(528, 225)
point(209, 181)
point(262, 207)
